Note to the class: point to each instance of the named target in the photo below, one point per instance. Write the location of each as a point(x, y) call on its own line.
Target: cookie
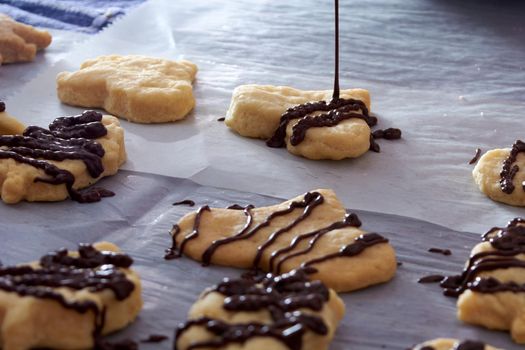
point(137, 88)
point(305, 122)
point(312, 230)
point(491, 289)
point(51, 165)
point(67, 300)
point(453, 344)
point(20, 42)
point(8, 124)
point(267, 312)
point(500, 174)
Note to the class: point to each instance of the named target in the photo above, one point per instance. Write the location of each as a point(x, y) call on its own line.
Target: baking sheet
point(395, 315)
point(450, 74)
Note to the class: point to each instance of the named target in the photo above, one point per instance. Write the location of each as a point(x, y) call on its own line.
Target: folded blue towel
point(87, 16)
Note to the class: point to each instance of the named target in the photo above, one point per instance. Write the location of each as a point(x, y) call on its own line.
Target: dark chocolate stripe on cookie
point(510, 169)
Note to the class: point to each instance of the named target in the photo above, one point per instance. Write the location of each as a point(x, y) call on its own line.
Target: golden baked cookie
point(9, 125)
point(20, 42)
point(267, 312)
point(491, 289)
point(310, 124)
point(312, 230)
point(500, 174)
point(453, 344)
point(67, 300)
point(137, 88)
point(51, 165)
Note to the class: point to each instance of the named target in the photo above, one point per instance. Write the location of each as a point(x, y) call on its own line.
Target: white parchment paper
point(450, 74)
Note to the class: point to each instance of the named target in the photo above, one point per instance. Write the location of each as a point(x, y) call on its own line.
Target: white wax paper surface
point(450, 74)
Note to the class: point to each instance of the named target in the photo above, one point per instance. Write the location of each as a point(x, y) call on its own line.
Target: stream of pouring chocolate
point(336, 111)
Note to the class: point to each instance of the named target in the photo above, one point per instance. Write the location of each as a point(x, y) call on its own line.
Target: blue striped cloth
point(87, 16)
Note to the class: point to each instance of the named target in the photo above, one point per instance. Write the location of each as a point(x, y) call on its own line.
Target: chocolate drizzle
point(510, 169)
point(476, 156)
point(92, 270)
point(351, 220)
point(337, 110)
point(187, 202)
point(126, 344)
point(360, 244)
point(67, 138)
point(508, 242)
point(154, 338)
point(282, 295)
point(279, 257)
point(441, 251)
point(431, 279)
point(464, 345)
point(176, 252)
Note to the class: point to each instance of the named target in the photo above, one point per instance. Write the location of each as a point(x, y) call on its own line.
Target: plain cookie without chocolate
point(137, 88)
point(8, 124)
point(20, 42)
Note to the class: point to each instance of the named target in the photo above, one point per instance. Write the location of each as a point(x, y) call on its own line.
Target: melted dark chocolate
point(92, 269)
point(431, 279)
point(464, 345)
point(510, 169)
point(360, 244)
point(2, 106)
point(445, 252)
point(387, 134)
point(187, 202)
point(508, 242)
point(470, 345)
point(176, 252)
point(67, 138)
point(282, 295)
point(476, 156)
point(126, 344)
point(154, 338)
point(336, 111)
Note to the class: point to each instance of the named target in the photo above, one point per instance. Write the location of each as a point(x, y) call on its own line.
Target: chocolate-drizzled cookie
point(311, 124)
point(263, 312)
point(68, 299)
point(491, 288)
point(500, 174)
point(312, 230)
point(52, 164)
